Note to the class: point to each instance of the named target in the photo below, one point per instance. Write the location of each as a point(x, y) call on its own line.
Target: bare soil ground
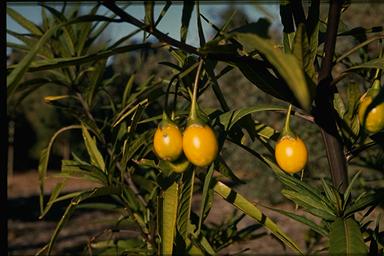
point(27, 234)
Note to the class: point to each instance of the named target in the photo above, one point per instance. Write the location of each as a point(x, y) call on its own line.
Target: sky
point(170, 23)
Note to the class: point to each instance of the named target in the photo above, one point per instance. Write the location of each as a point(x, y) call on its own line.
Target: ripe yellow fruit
point(291, 154)
point(168, 142)
point(200, 144)
point(373, 121)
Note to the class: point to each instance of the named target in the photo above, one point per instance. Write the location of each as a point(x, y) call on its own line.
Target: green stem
point(167, 95)
point(173, 113)
point(165, 116)
point(378, 73)
point(287, 129)
point(193, 114)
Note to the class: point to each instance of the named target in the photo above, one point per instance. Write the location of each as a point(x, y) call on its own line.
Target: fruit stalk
point(287, 128)
point(193, 114)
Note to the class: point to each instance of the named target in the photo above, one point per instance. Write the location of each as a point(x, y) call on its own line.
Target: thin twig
point(147, 28)
point(354, 152)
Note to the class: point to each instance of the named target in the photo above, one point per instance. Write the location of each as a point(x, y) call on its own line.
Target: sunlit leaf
point(252, 211)
point(44, 158)
point(168, 218)
point(24, 22)
point(94, 153)
point(228, 119)
point(185, 19)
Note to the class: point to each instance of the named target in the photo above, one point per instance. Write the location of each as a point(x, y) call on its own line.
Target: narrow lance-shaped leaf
point(27, 24)
point(228, 119)
point(302, 52)
point(17, 74)
point(204, 197)
point(94, 153)
point(72, 207)
point(252, 211)
point(168, 221)
point(43, 162)
point(345, 238)
point(199, 26)
point(149, 6)
point(185, 202)
point(65, 62)
point(375, 63)
point(185, 19)
point(163, 11)
point(286, 64)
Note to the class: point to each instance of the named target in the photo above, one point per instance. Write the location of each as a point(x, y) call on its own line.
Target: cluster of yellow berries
point(198, 142)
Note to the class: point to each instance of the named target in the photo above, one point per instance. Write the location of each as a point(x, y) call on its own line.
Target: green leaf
point(66, 41)
point(347, 192)
point(302, 52)
point(16, 46)
point(286, 15)
point(84, 32)
point(168, 218)
point(185, 203)
point(83, 170)
point(25, 38)
point(17, 74)
point(333, 196)
point(286, 64)
point(54, 194)
point(353, 96)
point(163, 12)
point(64, 218)
point(365, 201)
point(252, 211)
point(310, 204)
point(73, 205)
point(260, 28)
point(361, 31)
point(131, 147)
point(311, 224)
point(288, 41)
point(265, 131)
point(345, 238)
point(209, 67)
point(228, 119)
point(70, 61)
point(128, 89)
point(149, 6)
point(129, 109)
point(312, 25)
point(134, 246)
point(43, 162)
point(202, 243)
point(204, 197)
point(375, 63)
point(95, 79)
point(185, 19)
point(338, 104)
point(94, 153)
point(25, 23)
point(199, 25)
